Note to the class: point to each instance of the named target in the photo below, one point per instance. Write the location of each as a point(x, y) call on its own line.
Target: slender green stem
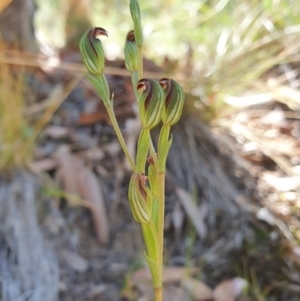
point(161, 217)
point(140, 58)
point(163, 137)
point(134, 80)
point(153, 180)
point(163, 150)
point(151, 241)
point(158, 190)
point(114, 122)
point(154, 210)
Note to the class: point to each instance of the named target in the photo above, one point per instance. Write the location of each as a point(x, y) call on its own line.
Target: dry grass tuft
point(16, 134)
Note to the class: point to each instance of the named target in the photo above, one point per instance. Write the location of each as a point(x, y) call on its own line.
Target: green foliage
point(151, 100)
point(137, 196)
point(137, 23)
point(131, 52)
point(154, 99)
point(92, 51)
point(174, 101)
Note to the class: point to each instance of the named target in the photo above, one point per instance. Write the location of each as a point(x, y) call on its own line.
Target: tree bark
point(16, 24)
point(78, 21)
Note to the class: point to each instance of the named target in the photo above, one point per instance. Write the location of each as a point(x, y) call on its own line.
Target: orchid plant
point(158, 101)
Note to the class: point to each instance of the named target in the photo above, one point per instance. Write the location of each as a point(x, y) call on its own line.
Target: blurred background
point(232, 189)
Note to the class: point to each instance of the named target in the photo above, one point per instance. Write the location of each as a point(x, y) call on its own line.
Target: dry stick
point(17, 58)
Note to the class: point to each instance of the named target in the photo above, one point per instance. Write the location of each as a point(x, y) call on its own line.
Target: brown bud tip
point(98, 31)
point(150, 160)
point(141, 184)
point(92, 52)
point(143, 84)
point(130, 36)
point(174, 101)
point(150, 102)
point(164, 82)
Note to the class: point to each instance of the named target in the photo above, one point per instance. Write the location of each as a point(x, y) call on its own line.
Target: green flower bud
point(131, 52)
point(92, 51)
point(137, 195)
point(174, 101)
point(150, 102)
point(137, 24)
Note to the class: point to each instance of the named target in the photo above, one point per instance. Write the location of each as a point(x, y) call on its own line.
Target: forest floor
point(232, 195)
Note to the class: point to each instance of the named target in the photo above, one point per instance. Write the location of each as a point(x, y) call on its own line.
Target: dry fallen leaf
point(192, 211)
point(141, 280)
point(4, 4)
point(177, 217)
point(176, 274)
point(67, 170)
point(170, 274)
point(43, 165)
point(90, 190)
point(197, 289)
point(76, 179)
point(97, 290)
point(93, 117)
point(175, 293)
point(132, 128)
point(230, 289)
point(282, 184)
point(75, 261)
point(57, 132)
point(265, 215)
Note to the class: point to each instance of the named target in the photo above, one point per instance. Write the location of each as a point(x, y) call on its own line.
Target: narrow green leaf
point(101, 86)
point(163, 154)
point(156, 278)
point(149, 202)
point(142, 150)
point(152, 176)
point(163, 135)
point(151, 241)
point(164, 144)
point(137, 24)
point(154, 212)
point(134, 80)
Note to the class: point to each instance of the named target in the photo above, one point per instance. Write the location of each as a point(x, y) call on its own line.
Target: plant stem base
point(158, 294)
